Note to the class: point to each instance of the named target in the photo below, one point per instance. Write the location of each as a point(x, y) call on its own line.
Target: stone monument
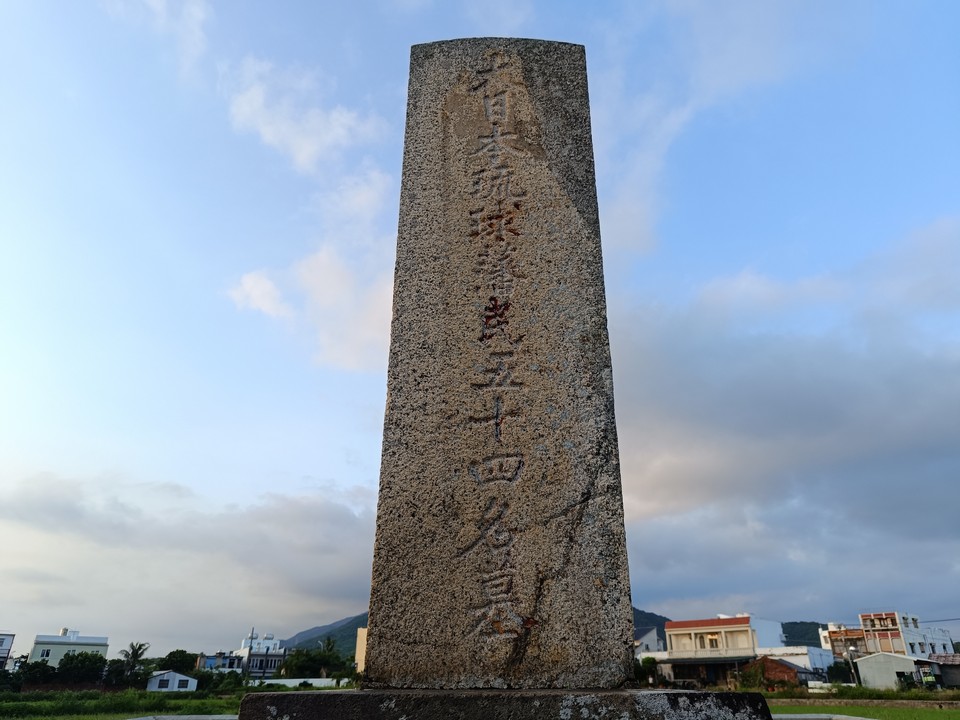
point(500, 585)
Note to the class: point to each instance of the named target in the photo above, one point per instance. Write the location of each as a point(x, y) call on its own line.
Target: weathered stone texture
point(504, 705)
point(500, 558)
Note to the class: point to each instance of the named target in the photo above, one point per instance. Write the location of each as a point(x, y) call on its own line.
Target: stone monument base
point(504, 705)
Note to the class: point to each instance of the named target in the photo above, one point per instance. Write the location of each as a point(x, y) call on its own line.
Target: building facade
point(257, 659)
point(6, 646)
point(886, 632)
point(53, 648)
point(170, 681)
point(261, 657)
point(711, 652)
point(839, 640)
point(901, 634)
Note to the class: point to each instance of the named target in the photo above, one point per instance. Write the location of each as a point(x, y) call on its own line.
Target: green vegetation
point(871, 711)
point(324, 661)
point(843, 692)
point(129, 703)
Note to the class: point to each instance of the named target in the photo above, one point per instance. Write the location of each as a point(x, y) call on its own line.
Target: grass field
point(880, 713)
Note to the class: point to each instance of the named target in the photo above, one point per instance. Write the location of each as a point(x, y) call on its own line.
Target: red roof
point(712, 622)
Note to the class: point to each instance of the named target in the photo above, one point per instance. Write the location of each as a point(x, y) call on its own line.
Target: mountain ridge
point(344, 631)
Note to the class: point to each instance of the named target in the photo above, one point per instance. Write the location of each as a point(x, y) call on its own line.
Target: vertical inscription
point(496, 202)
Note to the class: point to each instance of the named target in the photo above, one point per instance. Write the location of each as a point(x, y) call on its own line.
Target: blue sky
point(198, 205)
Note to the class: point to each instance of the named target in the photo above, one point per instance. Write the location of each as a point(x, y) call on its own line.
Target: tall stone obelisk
point(500, 588)
point(500, 558)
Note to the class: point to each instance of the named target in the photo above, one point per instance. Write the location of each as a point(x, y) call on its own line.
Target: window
point(163, 684)
point(182, 684)
point(923, 647)
point(913, 648)
point(2, 641)
point(45, 653)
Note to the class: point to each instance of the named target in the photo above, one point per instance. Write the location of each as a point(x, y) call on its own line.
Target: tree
point(648, 670)
point(839, 672)
point(133, 660)
point(179, 661)
point(37, 673)
point(314, 663)
point(116, 673)
point(9, 682)
point(81, 667)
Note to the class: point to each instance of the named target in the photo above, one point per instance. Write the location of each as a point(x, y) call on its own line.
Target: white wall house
point(170, 681)
point(884, 670)
point(260, 657)
point(646, 640)
point(6, 645)
point(53, 648)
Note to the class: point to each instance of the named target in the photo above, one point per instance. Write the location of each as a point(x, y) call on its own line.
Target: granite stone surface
point(504, 705)
point(500, 558)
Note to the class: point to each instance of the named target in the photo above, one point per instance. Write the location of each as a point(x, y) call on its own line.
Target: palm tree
point(133, 656)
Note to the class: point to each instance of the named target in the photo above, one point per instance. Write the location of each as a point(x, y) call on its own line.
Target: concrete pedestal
point(504, 705)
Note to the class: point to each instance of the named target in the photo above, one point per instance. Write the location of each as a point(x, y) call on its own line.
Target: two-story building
point(6, 645)
point(261, 657)
point(711, 652)
point(901, 634)
point(53, 648)
point(886, 632)
point(257, 659)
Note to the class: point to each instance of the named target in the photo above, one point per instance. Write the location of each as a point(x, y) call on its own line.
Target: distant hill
point(344, 632)
point(642, 618)
point(804, 632)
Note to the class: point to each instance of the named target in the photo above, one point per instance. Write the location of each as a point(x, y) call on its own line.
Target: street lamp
point(851, 652)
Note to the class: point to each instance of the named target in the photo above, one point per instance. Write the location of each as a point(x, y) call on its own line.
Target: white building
point(886, 671)
point(170, 681)
point(901, 634)
point(646, 640)
point(53, 648)
point(711, 651)
point(6, 645)
point(257, 659)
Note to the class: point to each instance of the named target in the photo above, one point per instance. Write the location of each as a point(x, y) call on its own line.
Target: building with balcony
point(261, 657)
point(711, 652)
point(839, 640)
point(257, 659)
point(53, 648)
point(901, 634)
point(6, 645)
point(887, 632)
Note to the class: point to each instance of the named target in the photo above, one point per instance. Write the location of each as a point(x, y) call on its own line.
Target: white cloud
point(341, 293)
point(921, 272)
point(654, 86)
point(182, 19)
point(258, 292)
point(809, 454)
point(350, 317)
point(106, 560)
point(752, 292)
point(281, 107)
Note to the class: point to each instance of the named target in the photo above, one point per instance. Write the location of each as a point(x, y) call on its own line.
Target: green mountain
point(642, 618)
point(344, 632)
